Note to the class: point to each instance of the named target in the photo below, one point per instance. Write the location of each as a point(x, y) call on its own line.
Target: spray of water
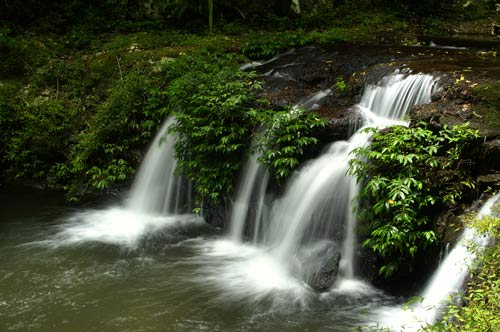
point(159, 200)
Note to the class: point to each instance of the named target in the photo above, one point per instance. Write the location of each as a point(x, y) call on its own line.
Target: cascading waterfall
point(317, 204)
point(156, 189)
point(448, 280)
point(249, 204)
point(156, 201)
point(248, 207)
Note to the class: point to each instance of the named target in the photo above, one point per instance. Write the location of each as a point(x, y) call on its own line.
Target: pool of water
point(111, 269)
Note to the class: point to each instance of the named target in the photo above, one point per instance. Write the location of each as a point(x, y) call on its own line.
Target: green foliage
point(340, 85)
point(482, 299)
point(487, 99)
point(334, 35)
point(214, 106)
point(266, 45)
point(10, 54)
point(9, 103)
point(398, 171)
point(287, 135)
point(44, 130)
point(124, 122)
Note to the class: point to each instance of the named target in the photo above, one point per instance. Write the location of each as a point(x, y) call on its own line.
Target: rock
point(215, 215)
point(320, 265)
point(449, 225)
point(488, 182)
point(488, 156)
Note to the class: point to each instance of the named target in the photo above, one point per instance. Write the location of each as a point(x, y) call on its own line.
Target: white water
point(448, 281)
point(317, 204)
point(432, 44)
point(156, 189)
point(313, 102)
point(155, 202)
point(249, 205)
point(123, 227)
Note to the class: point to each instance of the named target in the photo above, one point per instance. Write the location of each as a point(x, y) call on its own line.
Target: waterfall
point(157, 189)
point(249, 204)
point(155, 202)
point(313, 102)
point(448, 280)
point(318, 201)
point(248, 207)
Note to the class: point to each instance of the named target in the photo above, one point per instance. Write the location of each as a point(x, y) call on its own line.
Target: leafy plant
point(266, 45)
point(214, 105)
point(340, 85)
point(398, 171)
point(41, 138)
point(287, 136)
point(124, 122)
point(9, 104)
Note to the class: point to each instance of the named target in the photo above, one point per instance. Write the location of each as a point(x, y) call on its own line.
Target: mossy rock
point(487, 110)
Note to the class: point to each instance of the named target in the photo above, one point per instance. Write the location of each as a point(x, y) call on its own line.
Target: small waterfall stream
point(158, 200)
point(250, 193)
point(156, 188)
point(448, 280)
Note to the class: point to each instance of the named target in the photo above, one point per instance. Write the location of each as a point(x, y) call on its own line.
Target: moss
point(488, 108)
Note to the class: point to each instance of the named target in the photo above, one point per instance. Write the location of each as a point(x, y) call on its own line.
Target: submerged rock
point(320, 264)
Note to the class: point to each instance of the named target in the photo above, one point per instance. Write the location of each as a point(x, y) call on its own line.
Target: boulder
point(320, 265)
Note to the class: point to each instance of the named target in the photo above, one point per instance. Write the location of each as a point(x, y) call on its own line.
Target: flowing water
point(173, 276)
point(156, 188)
point(448, 281)
point(317, 204)
point(145, 267)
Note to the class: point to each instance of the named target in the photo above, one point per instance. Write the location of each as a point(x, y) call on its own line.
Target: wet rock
point(488, 182)
point(339, 127)
point(488, 156)
point(296, 74)
point(215, 215)
point(449, 225)
point(320, 264)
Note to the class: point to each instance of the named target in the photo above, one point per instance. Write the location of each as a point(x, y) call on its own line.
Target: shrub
point(267, 45)
point(44, 129)
point(124, 122)
point(213, 104)
point(287, 135)
point(9, 103)
point(399, 170)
